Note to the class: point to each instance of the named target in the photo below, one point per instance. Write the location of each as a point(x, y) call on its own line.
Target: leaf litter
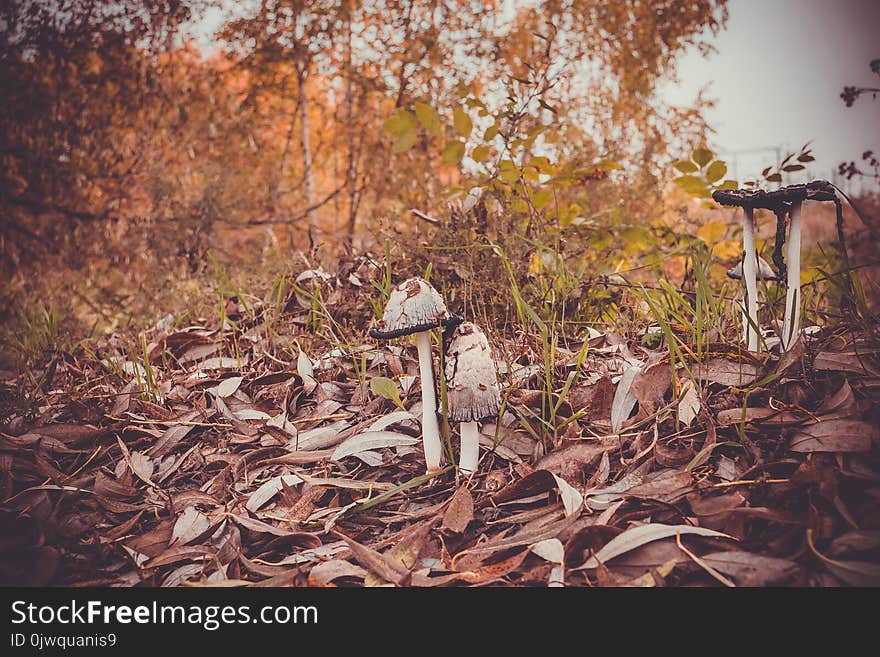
point(249, 463)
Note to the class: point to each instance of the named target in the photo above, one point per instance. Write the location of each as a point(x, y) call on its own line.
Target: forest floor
point(243, 450)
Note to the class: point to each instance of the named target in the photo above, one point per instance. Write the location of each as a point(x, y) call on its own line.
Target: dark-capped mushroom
point(472, 392)
point(414, 308)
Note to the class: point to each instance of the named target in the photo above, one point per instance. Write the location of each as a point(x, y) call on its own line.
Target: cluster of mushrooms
point(416, 308)
point(783, 201)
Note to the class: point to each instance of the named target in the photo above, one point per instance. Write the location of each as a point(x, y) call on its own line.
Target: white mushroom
point(414, 308)
point(750, 275)
point(764, 272)
point(472, 392)
point(791, 323)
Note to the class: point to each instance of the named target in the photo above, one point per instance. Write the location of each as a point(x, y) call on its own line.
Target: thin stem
point(791, 323)
point(470, 447)
point(430, 428)
point(750, 276)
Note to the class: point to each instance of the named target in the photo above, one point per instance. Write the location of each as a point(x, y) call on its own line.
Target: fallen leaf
point(841, 362)
point(624, 399)
point(650, 386)
point(190, 525)
point(571, 461)
point(488, 572)
point(665, 486)
point(306, 372)
point(841, 400)
point(725, 372)
point(397, 417)
point(251, 414)
point(376, 562)
point(326, 571)
point(550, 549)
point(460, 511)
point(228, 386)
point(854, 573)
point(572, 499)
point(269, 489)
point(835, 436)
point(689, 406)
point(638, 536)
point(386, 388)
point(371, 440)
point(748, 569)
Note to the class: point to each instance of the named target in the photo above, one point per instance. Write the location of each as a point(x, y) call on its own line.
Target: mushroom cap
point(414, 306)
point(777, 199)
point(765, 271)
point(472, 392)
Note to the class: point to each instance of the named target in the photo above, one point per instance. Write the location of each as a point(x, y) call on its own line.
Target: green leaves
point(429, 118)
point(693, 185)
point(716, 171)
point(702, 156)
point(480, 153)
point(402, 127)
point(453, 152)
point(385, 387)
point(702, 173)
point(462, 122)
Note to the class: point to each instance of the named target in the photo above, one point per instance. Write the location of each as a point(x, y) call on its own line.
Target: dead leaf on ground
point(835, 436)
point(460, 511)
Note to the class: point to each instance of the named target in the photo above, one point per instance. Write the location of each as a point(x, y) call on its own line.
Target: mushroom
point(781, 201)
point(414, 308)
point(792, 320)
point(763, 272)
point(472, 392)
point(749, 200)
point(791, 198)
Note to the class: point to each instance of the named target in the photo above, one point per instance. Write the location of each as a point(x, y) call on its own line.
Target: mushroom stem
point(430, 429)
point(750, 276)
point(470, 446)
point(791, 323)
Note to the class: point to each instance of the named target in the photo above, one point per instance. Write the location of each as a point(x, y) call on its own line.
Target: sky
point(776, 77)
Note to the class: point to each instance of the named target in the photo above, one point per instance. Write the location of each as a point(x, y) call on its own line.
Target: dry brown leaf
point(748, 569)
point(570, 461)
point(650, 387)
point(384, 566)
point(326, 571)
point(460, 511)
point(725, 372)
point(835, 436)
point(844, 362)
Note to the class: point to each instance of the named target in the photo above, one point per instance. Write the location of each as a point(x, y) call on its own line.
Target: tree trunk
point(351, 174)
point(308, 179)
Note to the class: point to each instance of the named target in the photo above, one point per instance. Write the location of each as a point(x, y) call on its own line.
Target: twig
point(702, 564)
point(746, 482)
point(187, 423)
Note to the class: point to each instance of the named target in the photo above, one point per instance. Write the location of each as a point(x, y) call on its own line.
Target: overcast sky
point(777, 78)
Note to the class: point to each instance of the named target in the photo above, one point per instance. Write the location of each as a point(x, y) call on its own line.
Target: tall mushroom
point(764, 272)
point(414, 308)
point(748, 200)
point(472, 392)
point(792, 320)
point(781, 201)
